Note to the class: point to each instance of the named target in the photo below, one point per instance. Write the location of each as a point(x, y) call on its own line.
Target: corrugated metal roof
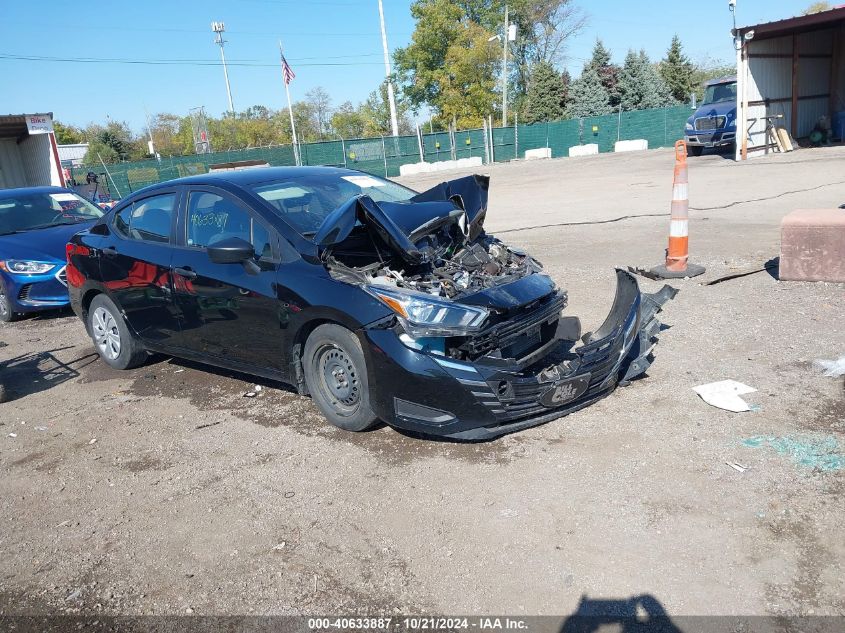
point(14, 125)
point(798, 23)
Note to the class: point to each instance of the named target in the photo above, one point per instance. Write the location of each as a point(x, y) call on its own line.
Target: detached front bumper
point(436, 395)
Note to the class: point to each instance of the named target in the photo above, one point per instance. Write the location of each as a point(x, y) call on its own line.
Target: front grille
point(710, 123)
point(61, 276)
point(23, 295)
point(520, 334)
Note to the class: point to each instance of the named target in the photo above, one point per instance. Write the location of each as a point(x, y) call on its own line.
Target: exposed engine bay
point(455, 271)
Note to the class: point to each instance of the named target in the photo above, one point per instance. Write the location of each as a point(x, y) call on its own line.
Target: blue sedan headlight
point(26, 267)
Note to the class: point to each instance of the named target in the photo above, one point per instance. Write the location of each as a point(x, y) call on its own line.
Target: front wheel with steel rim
point(6, 312)
point(111, 336)
point(336, 375)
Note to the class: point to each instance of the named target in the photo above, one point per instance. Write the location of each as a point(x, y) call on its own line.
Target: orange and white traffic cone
point(677, 255)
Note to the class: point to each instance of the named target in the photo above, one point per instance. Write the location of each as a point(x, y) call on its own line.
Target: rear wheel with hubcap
point(111, 336)
point(336, 375)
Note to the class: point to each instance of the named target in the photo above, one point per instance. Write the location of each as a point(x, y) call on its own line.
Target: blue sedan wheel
point(6, 313)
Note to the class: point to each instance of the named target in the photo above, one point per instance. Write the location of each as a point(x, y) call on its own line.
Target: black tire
point(111, 336)
point(333, 353)
point(695, 150)
point(6, 313)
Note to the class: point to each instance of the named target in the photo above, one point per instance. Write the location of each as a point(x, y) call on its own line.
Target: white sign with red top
point(39, 123)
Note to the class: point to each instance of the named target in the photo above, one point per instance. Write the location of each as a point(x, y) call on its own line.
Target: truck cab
point(713, 124)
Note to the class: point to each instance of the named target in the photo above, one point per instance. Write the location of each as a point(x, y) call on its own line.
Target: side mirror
point(232, 250)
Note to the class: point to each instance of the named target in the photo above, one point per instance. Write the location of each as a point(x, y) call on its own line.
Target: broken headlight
point(423, 315)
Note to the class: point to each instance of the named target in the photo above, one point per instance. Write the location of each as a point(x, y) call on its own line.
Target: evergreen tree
point(546, 94)
point(588, 95)
point(608, 73)
point(676, 70)
point(640, 85)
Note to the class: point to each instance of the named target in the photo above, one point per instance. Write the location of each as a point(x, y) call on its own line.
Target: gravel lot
point(162, 490)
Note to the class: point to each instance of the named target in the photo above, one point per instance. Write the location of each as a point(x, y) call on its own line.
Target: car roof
point(23, 191)
point(251, 176)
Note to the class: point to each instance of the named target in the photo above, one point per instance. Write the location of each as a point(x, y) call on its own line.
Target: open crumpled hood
point(402, 224)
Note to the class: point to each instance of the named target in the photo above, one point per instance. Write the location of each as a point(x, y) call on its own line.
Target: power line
point(168, 62)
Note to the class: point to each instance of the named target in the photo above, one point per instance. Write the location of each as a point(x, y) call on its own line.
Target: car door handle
point(187, 273)
point(110, 251)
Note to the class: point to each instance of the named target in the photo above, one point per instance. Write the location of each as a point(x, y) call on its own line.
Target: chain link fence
point(384, 156)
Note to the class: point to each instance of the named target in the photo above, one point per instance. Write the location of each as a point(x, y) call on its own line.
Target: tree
point(544, 29)
point(640, 85)
point(172, 134)
point(817, 7)
point(588, 95)
point(449, 52)
point(708, 68)
point(321, 104)
point(546, 100)
point(347, 121)
point(468, 79)
point(67, 134)
point(113, 143)
point(607, 72)
point(375, 114)
point(676, 70)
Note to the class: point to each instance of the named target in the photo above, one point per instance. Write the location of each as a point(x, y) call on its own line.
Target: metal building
point(28, 153)
point(793, 69)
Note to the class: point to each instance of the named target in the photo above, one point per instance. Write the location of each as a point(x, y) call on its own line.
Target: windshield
point(305, 201)
point(31, 211)
point(720, 93)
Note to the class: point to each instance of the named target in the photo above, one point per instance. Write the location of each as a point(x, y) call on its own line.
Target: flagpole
point(290, 108)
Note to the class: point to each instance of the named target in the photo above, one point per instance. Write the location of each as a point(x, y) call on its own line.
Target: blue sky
point(331, 43)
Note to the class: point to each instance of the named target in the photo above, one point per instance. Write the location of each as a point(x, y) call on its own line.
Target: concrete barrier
point(812, 245)
point(584, 150)
point(441, 165)
point(541, 152)
point(635, 145)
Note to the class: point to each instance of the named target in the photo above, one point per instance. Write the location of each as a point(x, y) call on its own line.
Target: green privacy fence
point(384, 156)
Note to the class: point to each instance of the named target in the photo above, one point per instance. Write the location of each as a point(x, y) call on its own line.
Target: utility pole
point(394, 123)
point(505, 37)
point(219, 28)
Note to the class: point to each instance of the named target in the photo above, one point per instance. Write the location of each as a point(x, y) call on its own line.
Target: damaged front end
point(477, 346)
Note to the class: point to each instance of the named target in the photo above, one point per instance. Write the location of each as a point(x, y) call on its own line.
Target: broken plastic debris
point(832, 368)
point(93, 441)
point(40, 428)
point(737, 467)
point(257, 388)
point(250, 394)
point(725, 394)
point(279, 547)
point(13, 434)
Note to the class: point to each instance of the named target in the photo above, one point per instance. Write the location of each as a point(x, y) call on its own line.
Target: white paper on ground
point(832, 368)
point(725, 394)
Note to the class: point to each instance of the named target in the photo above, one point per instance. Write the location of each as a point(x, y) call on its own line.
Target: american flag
point(287, 71)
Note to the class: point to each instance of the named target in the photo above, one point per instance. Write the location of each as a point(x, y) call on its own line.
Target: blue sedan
point(35, 226)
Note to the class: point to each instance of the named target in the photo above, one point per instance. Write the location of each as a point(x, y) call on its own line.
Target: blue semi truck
point(713, 124)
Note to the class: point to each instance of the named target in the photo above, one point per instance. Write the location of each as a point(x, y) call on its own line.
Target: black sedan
point(379, 302)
